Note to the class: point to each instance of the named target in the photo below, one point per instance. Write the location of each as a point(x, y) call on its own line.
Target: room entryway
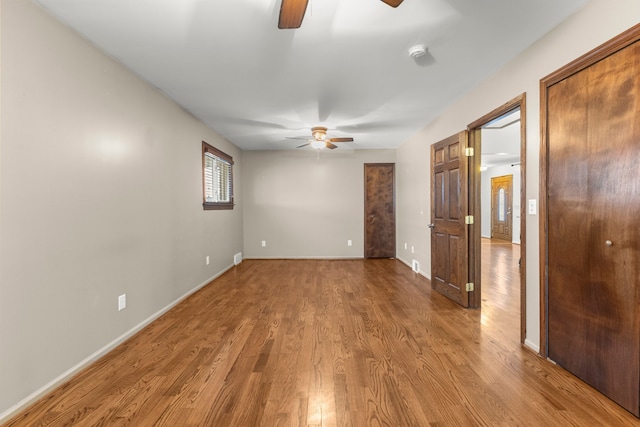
point(459, 203)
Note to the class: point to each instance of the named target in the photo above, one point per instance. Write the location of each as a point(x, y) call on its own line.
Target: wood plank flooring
point(330, 343)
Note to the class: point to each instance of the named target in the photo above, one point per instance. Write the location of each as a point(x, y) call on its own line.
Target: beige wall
point(304, 205)
point(101, 193)
point(598, 22)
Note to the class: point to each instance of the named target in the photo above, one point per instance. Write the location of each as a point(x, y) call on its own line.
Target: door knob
point(608, 243)
point(431, 226)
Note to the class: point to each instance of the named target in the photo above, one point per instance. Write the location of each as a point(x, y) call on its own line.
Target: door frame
point(475, 130)
point(608, 48)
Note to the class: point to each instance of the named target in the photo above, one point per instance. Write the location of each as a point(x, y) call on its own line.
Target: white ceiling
point(500, 141)
point(346, 68)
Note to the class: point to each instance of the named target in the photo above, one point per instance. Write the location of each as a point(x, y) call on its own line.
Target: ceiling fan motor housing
point(319, 133)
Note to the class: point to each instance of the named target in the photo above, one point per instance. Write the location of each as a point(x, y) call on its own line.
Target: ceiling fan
point(320, 139)
point(292, 12)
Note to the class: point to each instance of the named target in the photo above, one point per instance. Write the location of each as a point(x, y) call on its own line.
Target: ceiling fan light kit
point(318, 144)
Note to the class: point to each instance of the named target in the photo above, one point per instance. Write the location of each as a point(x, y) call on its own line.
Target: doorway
point(490, 136)
point(455, 176)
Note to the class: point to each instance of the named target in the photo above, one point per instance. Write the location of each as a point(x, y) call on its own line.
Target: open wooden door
point(449, 208)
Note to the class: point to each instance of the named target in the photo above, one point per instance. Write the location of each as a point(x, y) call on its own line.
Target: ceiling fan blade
point(393, 3)
point(330, 146)
point(303, 138)
point(303, 145)
point(340, 140)
point(291, 13)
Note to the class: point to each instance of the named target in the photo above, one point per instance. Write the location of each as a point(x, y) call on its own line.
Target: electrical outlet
point(207, 260)
point(122, 302)
point(349, 242)
point(264, 243)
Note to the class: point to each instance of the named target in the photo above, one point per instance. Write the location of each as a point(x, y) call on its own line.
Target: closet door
point(593, 213)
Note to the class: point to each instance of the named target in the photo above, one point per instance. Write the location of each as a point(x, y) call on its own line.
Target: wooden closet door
point(593, 205)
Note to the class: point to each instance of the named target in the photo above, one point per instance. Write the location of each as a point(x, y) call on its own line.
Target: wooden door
point(449, 206)
point(501, 204)
point(593, 202)
point(380, 210)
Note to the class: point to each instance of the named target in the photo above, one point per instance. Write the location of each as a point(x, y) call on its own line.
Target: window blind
point(217, 179)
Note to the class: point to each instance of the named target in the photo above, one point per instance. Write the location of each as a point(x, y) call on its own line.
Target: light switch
point(533, 208)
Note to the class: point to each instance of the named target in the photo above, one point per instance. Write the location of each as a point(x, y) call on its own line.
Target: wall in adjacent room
point(306, 204)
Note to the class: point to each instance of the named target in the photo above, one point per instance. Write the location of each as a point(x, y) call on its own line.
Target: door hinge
point(468, 219)
point(469, 151)
point(470, 287)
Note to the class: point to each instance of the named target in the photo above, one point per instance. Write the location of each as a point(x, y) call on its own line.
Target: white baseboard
point(404, 261)
point(304, 257)
point(533, 346)
point(69, 373)
point(410, 265)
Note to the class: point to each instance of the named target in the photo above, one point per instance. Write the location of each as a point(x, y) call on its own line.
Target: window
point(501, 207)
point(217, 174)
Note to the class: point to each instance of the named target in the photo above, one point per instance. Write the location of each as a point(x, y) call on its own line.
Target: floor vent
point(237, 258)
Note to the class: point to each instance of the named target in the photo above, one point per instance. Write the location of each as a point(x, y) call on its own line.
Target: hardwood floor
point(330, 343)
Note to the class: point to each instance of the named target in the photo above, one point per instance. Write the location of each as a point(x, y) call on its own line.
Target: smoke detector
point(417, 51)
